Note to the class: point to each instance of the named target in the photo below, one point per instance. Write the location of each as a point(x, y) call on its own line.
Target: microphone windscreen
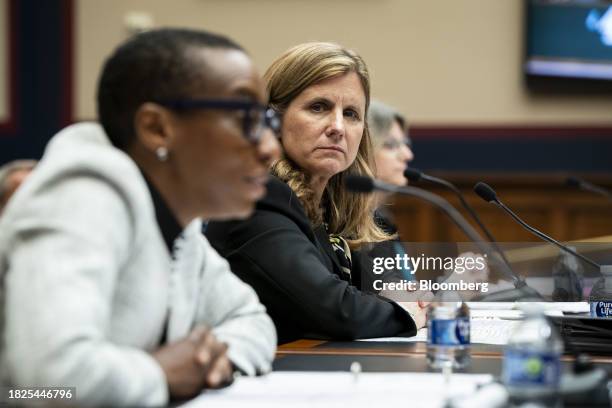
point(359, 184)
point(413, 175)
point(573, 182)
point(485, 192)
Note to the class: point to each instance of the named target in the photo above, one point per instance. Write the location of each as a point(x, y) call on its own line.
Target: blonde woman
point(392, 153)
point(392, 147)
point(297, 249)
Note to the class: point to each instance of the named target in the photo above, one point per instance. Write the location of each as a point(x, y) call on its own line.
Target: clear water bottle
point(601, 294)
point(568, 275)
point(448, 332)
point(532, 368)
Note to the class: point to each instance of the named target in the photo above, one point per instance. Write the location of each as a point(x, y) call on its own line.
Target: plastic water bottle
point(601, 294)
point(448, 332)
point(568, 274)
point(532, 368)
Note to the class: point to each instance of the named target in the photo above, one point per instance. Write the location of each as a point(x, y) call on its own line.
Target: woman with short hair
point(106, 282)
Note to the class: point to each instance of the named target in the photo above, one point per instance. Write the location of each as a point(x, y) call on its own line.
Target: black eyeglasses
point(255, 117)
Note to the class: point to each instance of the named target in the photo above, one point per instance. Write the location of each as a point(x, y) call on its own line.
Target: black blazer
point(296, 274)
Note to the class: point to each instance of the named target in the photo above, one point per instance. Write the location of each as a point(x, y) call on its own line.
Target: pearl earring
point(162, 153)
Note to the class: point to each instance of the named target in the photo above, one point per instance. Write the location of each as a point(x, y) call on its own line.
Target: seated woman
point(108, 284)
point(296, 250)
point(392, 153)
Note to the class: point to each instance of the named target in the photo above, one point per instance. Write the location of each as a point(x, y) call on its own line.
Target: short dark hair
point(151, 66)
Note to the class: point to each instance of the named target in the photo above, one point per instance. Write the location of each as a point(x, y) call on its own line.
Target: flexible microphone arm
point(465, 205)
point(365, 184)
point(586, 186)
point(487, 193)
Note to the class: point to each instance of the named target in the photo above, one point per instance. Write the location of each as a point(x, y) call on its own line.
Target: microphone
point(487, 193)
point(415, 175)
point(584, 185)
point(412, 174)
point(362, 184)
point(484, 191)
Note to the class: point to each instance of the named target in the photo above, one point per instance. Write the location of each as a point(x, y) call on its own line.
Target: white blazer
point(89, 281)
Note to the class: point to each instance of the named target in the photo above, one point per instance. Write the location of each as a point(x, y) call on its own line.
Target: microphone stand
point(520, 290)
point(467, 207)
point(543, 236)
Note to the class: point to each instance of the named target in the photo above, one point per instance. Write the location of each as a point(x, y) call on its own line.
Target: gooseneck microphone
point(363, 184)
point(487, 193)
point(415, 175)
point(586, 186)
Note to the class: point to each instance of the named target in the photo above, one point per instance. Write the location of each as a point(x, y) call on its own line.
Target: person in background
point(12, 174)
point(296, 250)
point(392, 153)
point(392, 146)
point(109, 286)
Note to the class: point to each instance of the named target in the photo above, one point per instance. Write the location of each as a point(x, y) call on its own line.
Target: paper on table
point(495, 325)
point(340, 389)
point(496, 314)
point(483, 331)
point(491, 331)
point(557, 308)
point(574, 307)
point(491, 305)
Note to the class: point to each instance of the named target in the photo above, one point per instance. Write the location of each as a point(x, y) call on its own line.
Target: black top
point(170, 230)
point(168, 224)
point(297, 276)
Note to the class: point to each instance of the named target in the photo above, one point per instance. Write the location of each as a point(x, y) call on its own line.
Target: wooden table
point(321, 355)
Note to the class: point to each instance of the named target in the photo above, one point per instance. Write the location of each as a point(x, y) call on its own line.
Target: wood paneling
point(542, 200)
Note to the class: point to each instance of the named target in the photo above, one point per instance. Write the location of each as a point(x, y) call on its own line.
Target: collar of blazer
point(281, 198)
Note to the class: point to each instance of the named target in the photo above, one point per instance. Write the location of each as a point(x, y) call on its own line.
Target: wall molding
point(509, 131)
point(10, 125)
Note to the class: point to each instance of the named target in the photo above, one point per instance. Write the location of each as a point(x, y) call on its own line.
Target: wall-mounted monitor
point(568, 45)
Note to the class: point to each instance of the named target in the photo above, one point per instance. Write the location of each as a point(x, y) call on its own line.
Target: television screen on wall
point(569, 44)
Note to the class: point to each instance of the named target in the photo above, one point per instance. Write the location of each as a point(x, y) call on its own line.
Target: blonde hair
point(347, 214)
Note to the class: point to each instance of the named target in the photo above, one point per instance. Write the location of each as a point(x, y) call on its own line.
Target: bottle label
point(601, 309)
point(529, 368)
point(449, 332)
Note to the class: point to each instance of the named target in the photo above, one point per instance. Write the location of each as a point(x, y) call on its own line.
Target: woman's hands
point(417, 309)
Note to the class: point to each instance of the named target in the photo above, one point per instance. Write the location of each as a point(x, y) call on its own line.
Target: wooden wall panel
point(542, 201)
